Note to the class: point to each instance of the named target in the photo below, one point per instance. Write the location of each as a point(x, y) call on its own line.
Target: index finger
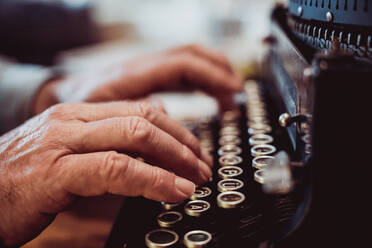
point(136, 135)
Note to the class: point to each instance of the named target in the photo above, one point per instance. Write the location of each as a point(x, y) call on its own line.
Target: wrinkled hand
point(185, 67)
point(87, 149)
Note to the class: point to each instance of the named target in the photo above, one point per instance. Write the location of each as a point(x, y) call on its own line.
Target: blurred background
point(67, 32)
point(75, 36)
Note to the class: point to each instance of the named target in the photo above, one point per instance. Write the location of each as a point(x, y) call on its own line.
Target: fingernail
point(205, 170)
point(185, 186)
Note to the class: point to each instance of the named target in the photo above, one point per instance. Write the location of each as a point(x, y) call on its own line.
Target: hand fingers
point(206, 53)
point(135, 134)
point(155, 114)
point(206, 75)
point(98, 173)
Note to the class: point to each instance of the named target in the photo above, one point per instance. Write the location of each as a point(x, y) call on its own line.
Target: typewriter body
point(290, 166)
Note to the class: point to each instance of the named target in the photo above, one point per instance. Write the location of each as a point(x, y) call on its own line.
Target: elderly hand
point(190, 66)
point(87, 149)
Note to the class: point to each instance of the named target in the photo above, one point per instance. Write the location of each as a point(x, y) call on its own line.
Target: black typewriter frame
point(335, 210)
point(332, 178)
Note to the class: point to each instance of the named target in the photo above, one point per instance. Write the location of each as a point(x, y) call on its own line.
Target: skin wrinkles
point(67, 151)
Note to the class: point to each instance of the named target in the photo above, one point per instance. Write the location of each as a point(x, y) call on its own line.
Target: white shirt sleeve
point(18, 85)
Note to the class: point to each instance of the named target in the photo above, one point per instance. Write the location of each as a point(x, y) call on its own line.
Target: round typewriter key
point(230, 116)
point(262, 150)
point(259, 139)
point(230, 199)
point(257, 108)
point(229, 149)
point(197, 207)
point(230, 124)
point(261, 161)
point(197, 239)
point(229, 140)
point(229, 130)
point(168, 219)
point(169, 206)
point(256, 120)
point(205, 135)
point(229, 160)
point(256, 111)
point(161, 238)
point(259, 128)
point(229, 185)
point(201, 192)
point(258, 176)
point(229, 172)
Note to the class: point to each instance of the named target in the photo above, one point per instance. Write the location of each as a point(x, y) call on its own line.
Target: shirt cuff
point(18, 86)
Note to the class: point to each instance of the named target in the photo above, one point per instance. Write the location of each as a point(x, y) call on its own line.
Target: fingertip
point(237, 83)
point(205, 171)
point(184, 186)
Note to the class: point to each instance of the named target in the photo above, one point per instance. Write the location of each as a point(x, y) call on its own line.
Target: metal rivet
point(329, 16)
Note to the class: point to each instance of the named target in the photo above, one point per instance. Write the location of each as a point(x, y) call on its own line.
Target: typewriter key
point(229, 172)
point(229, 149)
point(230, 116)
point(229, 160)
point(256, 120)
point(229, 130)
point(229, 140)
point(230, 199)
point(262, 150)
point(197, 239)
point(229, 185)
point(258, 176)
point(169, 206)
point(197, 207)
point(261, 161)
point(206, 135)
point(259, 139)
point(257, 109)
point(161, 238)
point(201, 192)
point(169, 219)
point(259, 128)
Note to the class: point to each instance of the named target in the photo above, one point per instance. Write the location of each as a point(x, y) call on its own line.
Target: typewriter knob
point(286, 119)
point(278, 175)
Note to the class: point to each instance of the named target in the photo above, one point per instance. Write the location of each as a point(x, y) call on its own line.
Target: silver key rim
point(230, 160)
point(196, 212)
point(164, 223)
point(194, 244)
point(229, 130)
point(262, 150)
point(221, 185)
point(258, 176)
point(152, 244)
point(201, 192)
point(230, 204)
point(229, 140)
point(225, 175)
point(229, 149)
point(260, 161)
point(259, 139)
point(259, 128)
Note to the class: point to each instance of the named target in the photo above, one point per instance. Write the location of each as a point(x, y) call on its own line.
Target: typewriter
point(291, 163)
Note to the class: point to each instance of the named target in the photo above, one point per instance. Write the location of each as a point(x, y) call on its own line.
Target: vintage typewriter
point(291, 164)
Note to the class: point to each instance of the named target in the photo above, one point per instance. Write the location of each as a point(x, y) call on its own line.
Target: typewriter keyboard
point(231, 210)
